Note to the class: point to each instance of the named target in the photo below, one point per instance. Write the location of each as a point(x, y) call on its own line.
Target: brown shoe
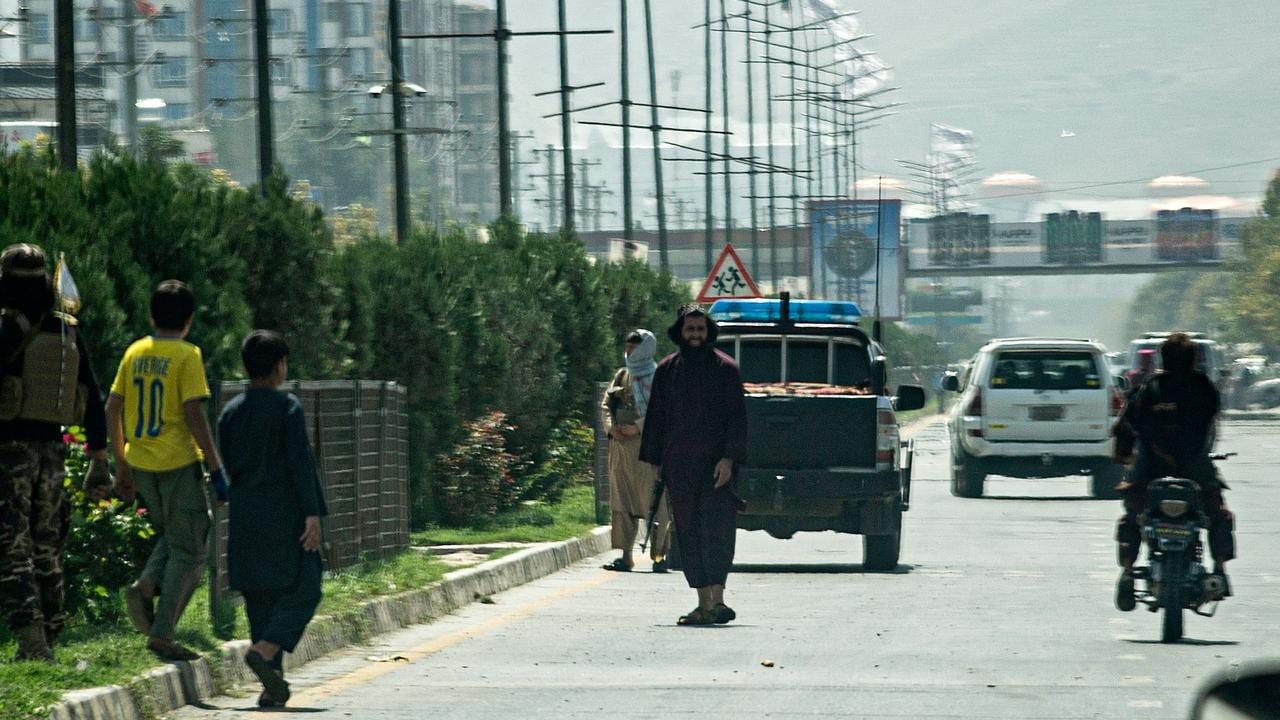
point(167, 649)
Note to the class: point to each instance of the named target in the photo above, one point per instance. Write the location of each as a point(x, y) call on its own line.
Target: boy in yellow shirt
point(156, 420)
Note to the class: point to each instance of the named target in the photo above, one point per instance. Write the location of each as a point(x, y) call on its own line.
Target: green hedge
point(521, 324)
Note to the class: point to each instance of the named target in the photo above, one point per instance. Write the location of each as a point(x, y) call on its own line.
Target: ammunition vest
point(47, 389)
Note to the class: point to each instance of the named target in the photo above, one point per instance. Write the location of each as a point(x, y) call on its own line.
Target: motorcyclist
point(1171, 420)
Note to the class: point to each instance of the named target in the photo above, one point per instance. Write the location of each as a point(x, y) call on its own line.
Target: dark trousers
point(706, 528)
point(1222, 543)
point(281, 616)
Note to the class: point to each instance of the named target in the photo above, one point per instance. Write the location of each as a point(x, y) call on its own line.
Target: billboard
point(844, 237)
point(959, 239)
point(1073, 239)
point(1186, 235)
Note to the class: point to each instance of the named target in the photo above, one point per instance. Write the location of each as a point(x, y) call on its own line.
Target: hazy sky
point(1144, 87)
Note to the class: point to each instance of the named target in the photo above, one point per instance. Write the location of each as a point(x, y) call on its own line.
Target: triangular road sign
point(728, 279)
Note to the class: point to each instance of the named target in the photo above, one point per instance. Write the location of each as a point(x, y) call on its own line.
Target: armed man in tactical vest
point(46, 383)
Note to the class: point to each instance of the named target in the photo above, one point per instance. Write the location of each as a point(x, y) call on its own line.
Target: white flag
point(864, 72)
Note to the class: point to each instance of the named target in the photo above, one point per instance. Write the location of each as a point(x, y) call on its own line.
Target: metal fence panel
point(359, 432)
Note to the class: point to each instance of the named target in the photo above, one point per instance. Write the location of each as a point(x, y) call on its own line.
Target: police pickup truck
point(823, 445)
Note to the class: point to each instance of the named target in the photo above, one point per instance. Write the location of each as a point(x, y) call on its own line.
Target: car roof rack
point(1165, 334)
point(1042, 338)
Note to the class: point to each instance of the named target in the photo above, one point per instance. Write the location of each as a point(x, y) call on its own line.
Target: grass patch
point(573, 516)
point(93, 656)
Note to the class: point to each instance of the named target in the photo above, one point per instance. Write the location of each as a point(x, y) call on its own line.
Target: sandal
point(618, 565)
point(696, 616)
point(272, 680)
point(722, 614)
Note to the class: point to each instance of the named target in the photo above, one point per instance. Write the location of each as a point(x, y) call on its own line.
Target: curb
point(177, 684)
point(1251, 415)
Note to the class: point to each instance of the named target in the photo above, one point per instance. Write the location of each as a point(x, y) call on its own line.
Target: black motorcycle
point(1176, 579)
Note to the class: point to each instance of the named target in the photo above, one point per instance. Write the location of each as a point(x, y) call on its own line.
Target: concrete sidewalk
point(176, 684)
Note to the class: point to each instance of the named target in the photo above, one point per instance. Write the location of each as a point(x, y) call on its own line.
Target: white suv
point(1033, 408)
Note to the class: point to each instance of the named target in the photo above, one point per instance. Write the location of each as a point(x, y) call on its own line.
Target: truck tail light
point(1117, 402)
point(886, 438)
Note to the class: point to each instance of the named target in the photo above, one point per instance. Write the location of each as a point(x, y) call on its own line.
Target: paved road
point(1002, 609)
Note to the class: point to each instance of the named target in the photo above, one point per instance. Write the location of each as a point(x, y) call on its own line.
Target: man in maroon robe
point(696, 432)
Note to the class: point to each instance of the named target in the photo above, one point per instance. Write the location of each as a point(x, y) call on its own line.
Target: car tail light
point(1117, 402)
point(886, 438)
point(975, 405)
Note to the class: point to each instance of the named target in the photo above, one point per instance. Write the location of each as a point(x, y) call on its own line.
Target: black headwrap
point(694, 310)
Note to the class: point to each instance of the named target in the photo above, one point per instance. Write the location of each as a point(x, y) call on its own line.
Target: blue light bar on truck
point(806, 311)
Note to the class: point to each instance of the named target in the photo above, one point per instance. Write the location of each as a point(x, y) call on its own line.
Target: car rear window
point(1045, 370)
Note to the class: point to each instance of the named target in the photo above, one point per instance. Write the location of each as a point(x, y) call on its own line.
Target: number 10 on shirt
point(152, 422)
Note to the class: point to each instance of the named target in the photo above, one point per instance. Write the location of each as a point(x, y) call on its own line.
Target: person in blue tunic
point(696, 431)
point(276, 502)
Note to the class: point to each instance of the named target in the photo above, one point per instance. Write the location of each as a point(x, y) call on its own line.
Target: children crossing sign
point(728, 279)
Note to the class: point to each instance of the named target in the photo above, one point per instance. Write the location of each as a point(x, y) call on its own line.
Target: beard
point(695, 352)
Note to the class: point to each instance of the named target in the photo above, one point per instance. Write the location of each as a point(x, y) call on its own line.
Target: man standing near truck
point(696, 432)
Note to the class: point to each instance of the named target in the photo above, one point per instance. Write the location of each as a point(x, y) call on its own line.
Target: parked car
point(1034, 408)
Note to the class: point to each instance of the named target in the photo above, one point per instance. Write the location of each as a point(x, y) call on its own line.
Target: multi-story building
point(462, 73)
point(189, 64)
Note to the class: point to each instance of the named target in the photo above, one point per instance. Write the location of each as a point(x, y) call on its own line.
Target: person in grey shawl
point(631, 482)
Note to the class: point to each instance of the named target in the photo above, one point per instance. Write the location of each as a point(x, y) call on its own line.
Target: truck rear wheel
point(880, 552)
point(967, 479)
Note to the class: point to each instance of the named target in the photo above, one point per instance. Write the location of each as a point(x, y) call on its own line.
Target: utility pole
point(773, 197)
point(502, 35)
point(751, 144)
point(566, 128)
point(262, 65)
point(708, 180)
point(724, 106)
point(663, 259)
point(398, 140)
point(65, 72)
point(516, 163)
point(129, 55)
point(625, 52)
point(506, 199)
point(584, 169)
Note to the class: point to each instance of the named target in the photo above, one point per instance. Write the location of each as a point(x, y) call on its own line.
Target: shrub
point(567, 459)
point(476, 480)
point(106, 547)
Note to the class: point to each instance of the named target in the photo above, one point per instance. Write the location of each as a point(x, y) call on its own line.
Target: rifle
point(659, 487)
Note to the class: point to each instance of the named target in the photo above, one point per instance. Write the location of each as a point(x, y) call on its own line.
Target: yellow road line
point(368, 673)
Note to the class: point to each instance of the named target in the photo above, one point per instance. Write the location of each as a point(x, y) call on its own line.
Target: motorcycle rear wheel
point(1173, 598)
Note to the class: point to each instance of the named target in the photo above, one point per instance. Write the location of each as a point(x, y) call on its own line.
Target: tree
point(1254, 307)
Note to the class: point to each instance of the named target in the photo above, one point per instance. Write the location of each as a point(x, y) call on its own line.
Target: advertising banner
point(845, 235)
point(955, 241)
